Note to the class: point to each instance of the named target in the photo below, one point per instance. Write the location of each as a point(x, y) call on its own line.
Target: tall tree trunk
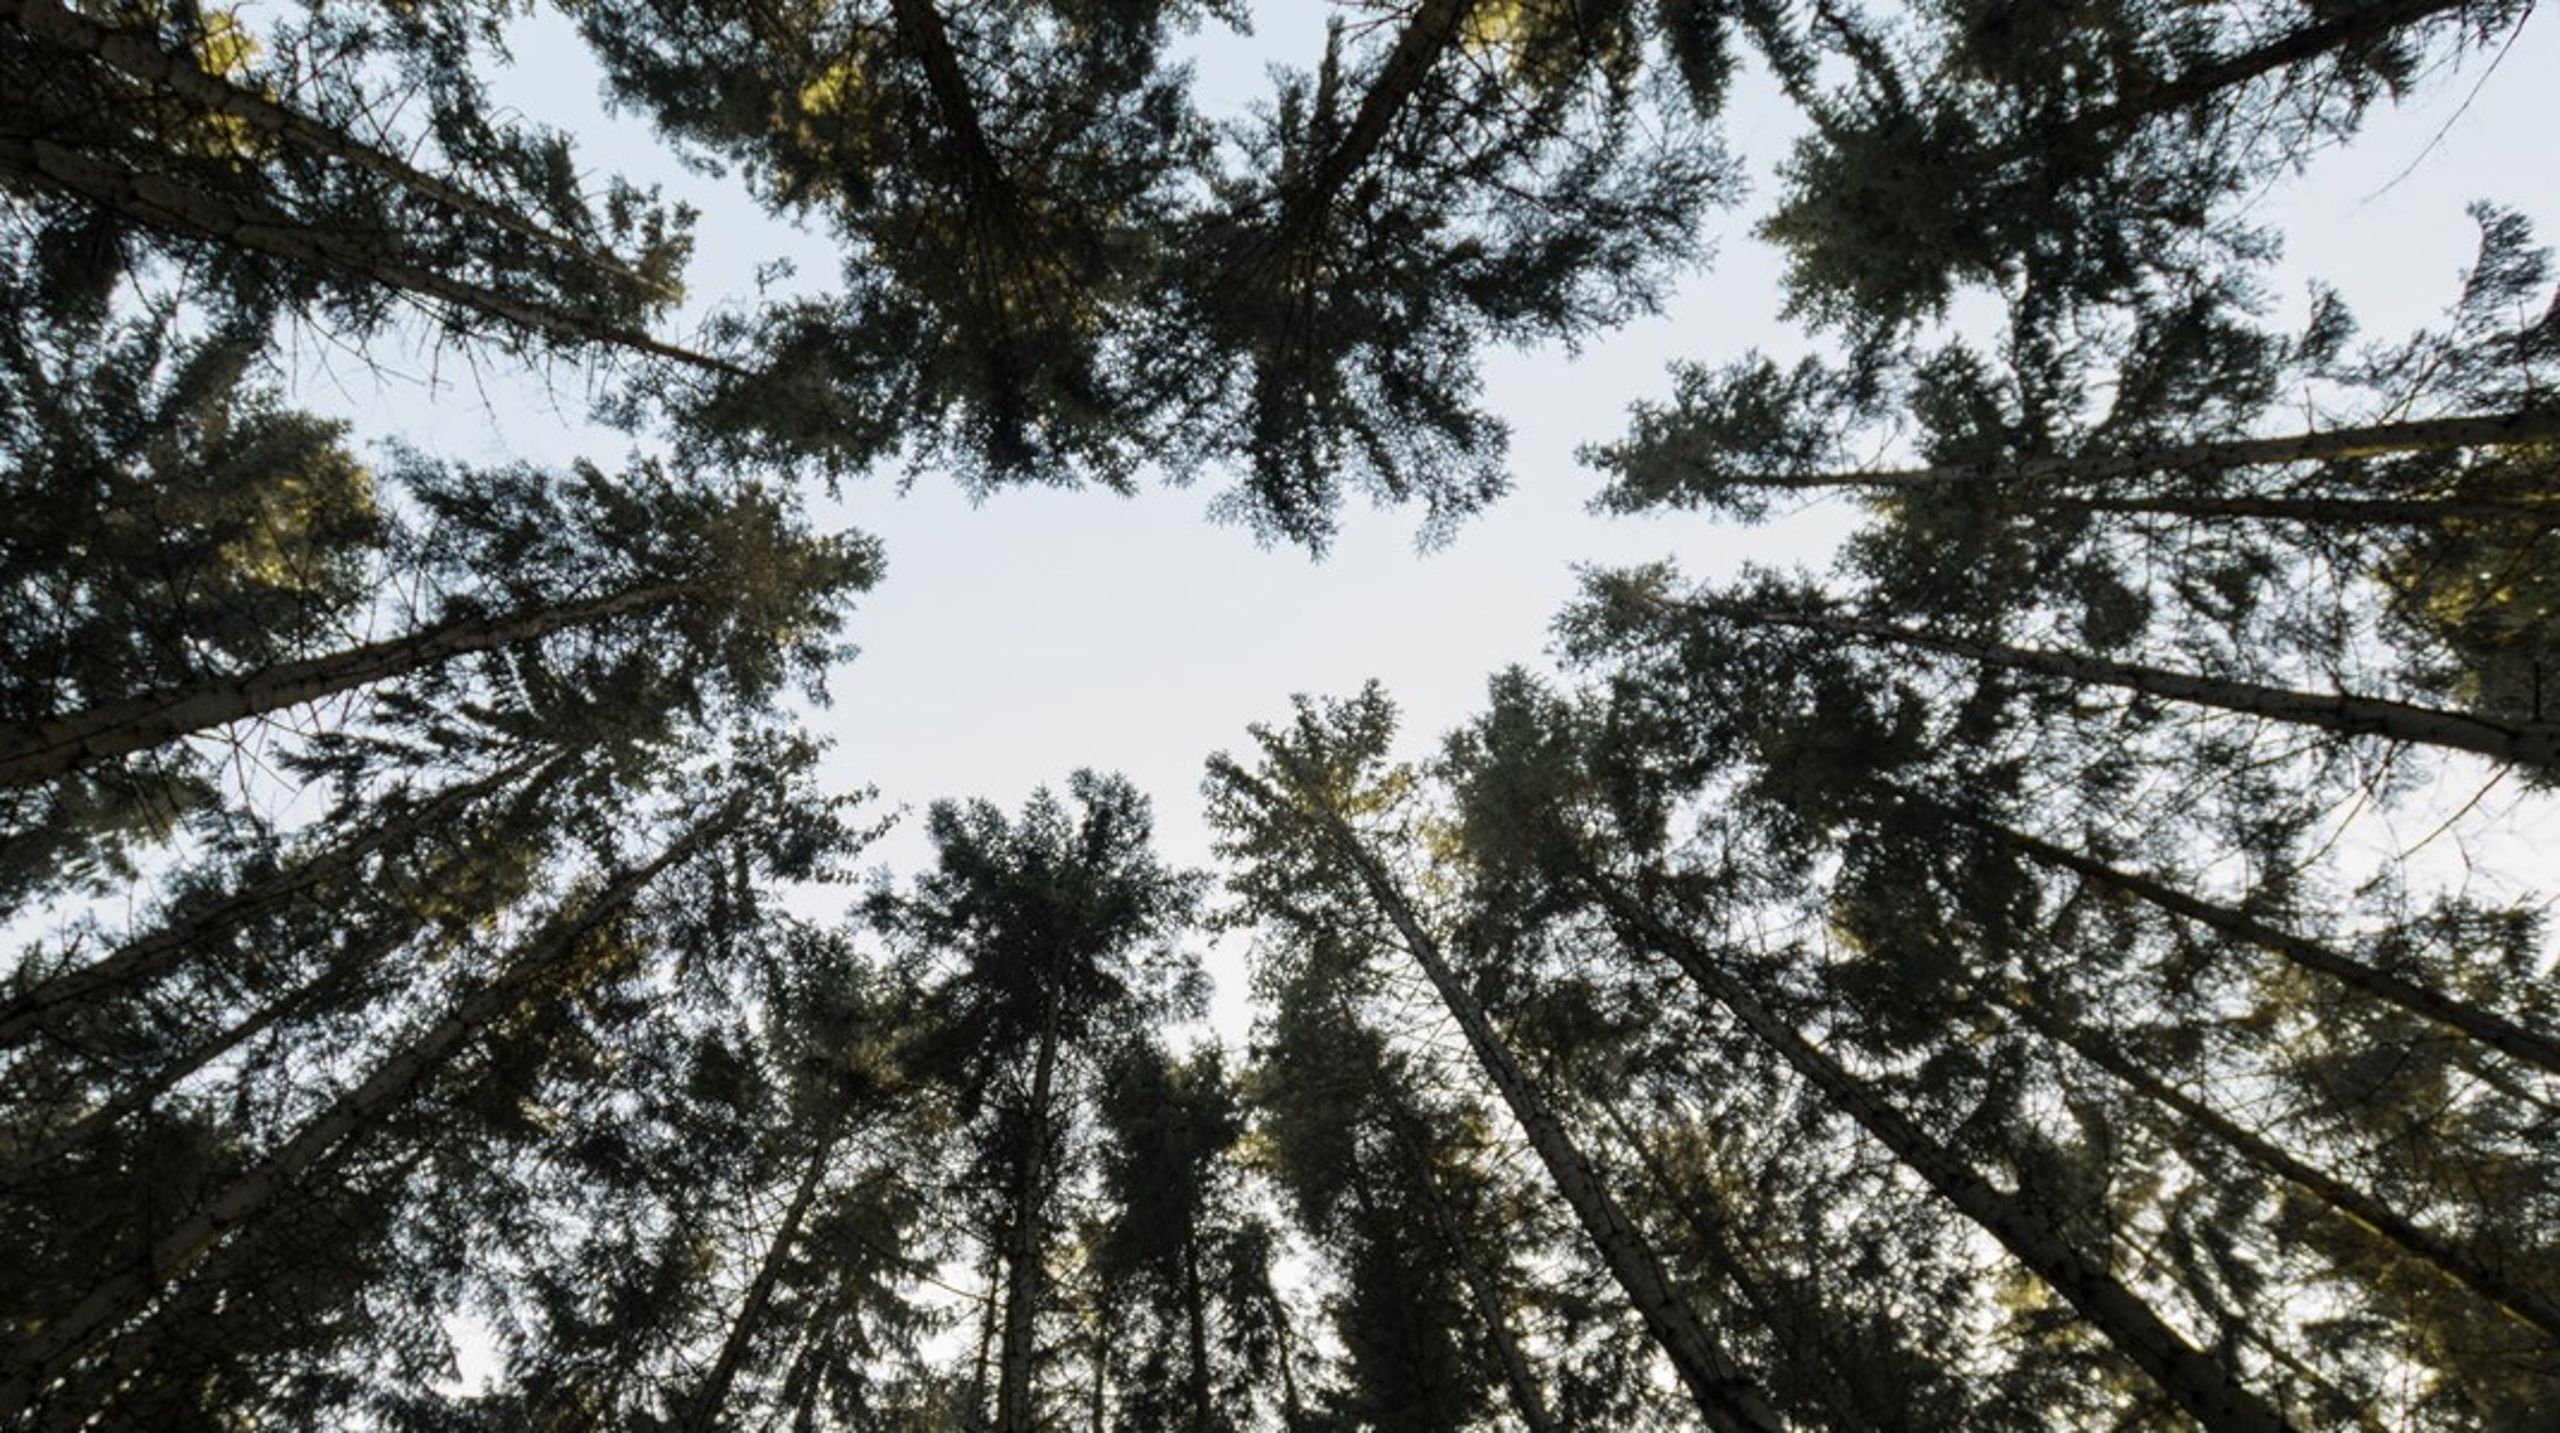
point(2491, 1029)
point(139, 55)
point(2317, 512)
point(714, 1396)
point(2449, 1259)
point(2197, 1382)
point(1436, 1393)
point(2533, 744)
point(1195, 1311)
point(920, 25)
point(1724, 1394)
point(1731, 1261)
point(1418, 49)
point(175, 206)
point(141, 1096)
point(153, 954)
point(989, 197)
point(132, 1361)
point(986, 1345)
point(39, 750)
point(1014, 1410)
point(1098, 1406)
point(1293, 1413)
point(1528, 1399)
point(2425, 435)
point(2348, 26)
point(33, 1362)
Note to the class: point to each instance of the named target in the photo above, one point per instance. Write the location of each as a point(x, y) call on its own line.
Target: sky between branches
point(1044, 630)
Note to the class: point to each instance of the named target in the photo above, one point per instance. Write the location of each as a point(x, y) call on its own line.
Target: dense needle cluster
point(1954, 990)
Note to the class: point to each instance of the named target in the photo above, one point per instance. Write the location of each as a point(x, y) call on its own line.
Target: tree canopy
point(2045, 966)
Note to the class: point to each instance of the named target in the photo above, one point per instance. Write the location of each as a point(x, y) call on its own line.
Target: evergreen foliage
point(1951, 989)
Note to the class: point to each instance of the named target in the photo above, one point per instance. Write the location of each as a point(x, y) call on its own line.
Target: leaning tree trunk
point(141, 56)
point(714, 1394)
point(2351, 25)
point(35, 1361)
point(2196, 1381)
point(177, 207)
point(1724, 1394)
point(159, 951)
point(1285, 258)
point(1732, 1262)
point(2446, 1257)
point(43, 749)
point(2425, 435)
point(1419, 48)
point(1527, 1398)
point(290, 1005)
point(2489, 1028)
point(2315, 512)
point(1014, 1410)
point(2534, 744)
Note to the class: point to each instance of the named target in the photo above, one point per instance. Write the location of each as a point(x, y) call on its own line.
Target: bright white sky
point(1042, 631)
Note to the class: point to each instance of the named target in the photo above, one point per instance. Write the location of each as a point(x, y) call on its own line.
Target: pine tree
point(166, 129)
point(1049, 927)
point(1294, 818)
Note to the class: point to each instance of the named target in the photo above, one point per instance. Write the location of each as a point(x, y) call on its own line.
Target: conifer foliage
point(1981, 984)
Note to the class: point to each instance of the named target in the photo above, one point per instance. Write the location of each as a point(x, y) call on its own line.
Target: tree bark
point(2491, 1029)
point(2197, 1382)
point(35, 1361)
point(155, 953)
point(1014, 1411)
point(1418, 48)
point(140, 56)
point(175, 207)
point(714, 1395)
point(2528, 744)
point(1724, 1394)
point(1528, 1399)
point(138, 1097)
point(920, 24)
point(2426, 435)
point(2449, 1259)
point(40, 750)
point(2316, 512)
point(2292, 48)
point(1195, 1310)
point(1730, 1259)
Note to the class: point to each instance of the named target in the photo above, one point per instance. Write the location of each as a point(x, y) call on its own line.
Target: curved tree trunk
point(2533, 744)
point(2447, 1258)
point(2196, 1381)
point(157, 952)
point(2489, 1028)
point(35, 1361)
point(40, 750)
